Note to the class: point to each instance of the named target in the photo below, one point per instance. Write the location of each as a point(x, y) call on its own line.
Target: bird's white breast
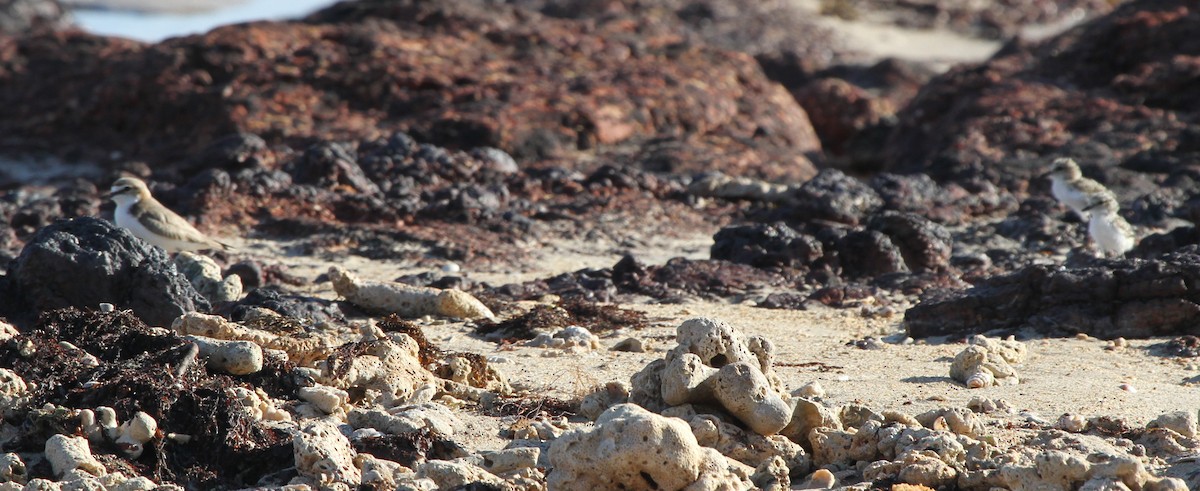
point(1109, 236)
point(127, 220)
point(1069, 195)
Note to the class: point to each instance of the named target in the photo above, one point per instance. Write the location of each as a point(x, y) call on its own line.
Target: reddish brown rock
point(459, 73)
point(839, 110)
point(1106, 92)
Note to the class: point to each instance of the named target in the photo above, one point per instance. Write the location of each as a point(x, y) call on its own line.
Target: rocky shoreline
point(576, 244)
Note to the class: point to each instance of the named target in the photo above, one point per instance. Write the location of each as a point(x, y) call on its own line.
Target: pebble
point(451, 267)
point(631, 345)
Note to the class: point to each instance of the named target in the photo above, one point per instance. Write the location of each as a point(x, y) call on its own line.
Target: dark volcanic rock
point(1129, 298)
point(925, 246)
point(466, 73)
point(306, 309)
point(86, 261)
point(784, 38)
point(1109, 91)
point(833, 195)
point(331, 165)
point(869, 253)
point(762, 245)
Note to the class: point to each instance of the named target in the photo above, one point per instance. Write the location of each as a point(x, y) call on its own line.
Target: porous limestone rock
point(808, 415)
point(301, 350)
point(68, 453)
point(748, 447)
point(976, 367)
point(714, 365)
point(326, 399)
point(12, 469)
point(1182, 422)
point(602, 398)
point(259, 405)
point(7, 331)
point(406, 300)
point(324, 455)
point(958, 420)
point(233, 357)
point(407, 419)
point(205, 276)
point(453, 475)
point(500, 462)
point(632, 448)
point(382, 474)
point(14, 393)
point(390, 368)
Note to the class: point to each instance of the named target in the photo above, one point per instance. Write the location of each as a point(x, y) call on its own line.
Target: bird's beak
point(1093, 206)
point(109, 195)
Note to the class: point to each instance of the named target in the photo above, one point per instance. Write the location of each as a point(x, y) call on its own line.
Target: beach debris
point(715, 365)
point(719, 185)
point(986, 362)
point(569, 338)
point(205, 276)
point(615, 452)
point(407, 301)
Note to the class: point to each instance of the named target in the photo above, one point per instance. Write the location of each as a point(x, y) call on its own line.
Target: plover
point(149, 220)
point(1070, 188)
point(1111, 233)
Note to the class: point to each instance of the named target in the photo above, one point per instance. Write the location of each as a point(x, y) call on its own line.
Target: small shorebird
point(1070, 188)
point(1112, 234)
point(149, 220)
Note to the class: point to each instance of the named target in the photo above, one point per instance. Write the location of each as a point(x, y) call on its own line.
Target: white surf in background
point(155, 21)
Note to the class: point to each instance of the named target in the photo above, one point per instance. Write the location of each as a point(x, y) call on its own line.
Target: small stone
point(811, 389)
point(631, 345)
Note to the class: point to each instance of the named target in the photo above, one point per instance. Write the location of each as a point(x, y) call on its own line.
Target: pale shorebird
point(1111, 233)
point(149, 220)
point(1070, 188)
